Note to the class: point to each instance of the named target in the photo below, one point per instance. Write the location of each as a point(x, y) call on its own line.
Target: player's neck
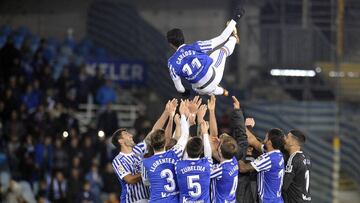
point(293, 149)
point(159, 151)
point(126, 149)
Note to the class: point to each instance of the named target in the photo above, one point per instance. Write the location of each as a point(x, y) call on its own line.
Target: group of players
point(177, 167)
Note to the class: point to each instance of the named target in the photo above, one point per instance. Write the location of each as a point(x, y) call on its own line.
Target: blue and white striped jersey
point(191, 61)
point(224, 184)
point(125, 164)
point(270, 166)
point(193, 176)
point(159, 170)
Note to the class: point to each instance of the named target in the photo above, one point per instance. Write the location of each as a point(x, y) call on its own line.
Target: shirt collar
point(274, 151)
point(192, 159)
point(180, 47)
point(157, 153)
point(226, 161)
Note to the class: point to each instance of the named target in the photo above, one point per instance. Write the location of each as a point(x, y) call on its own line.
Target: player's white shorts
point(209, 84)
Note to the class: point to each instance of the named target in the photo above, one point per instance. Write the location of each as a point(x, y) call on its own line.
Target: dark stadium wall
point(46, 18)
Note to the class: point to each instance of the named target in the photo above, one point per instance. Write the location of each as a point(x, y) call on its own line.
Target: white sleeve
point(211, 44)
point(207, 146)
point(176, 79)
point(184, 134)
point(144, 175)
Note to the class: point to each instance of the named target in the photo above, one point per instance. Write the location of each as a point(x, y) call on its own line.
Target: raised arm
point(162, 120)
point(184, 131)
point(238, 129)
point(251, 136)
point(171, 110)
point(177, 131)
point(200, 117)
point(204, 128)
point(176, 79)
point(212, 116)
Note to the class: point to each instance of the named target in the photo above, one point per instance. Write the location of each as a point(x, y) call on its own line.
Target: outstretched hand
point(250, 122)
point(204, 128)
point(236, 102)
point(171, 107)
point(201, 113)
point(194, 105)
point(212, 103)
point(183, 109)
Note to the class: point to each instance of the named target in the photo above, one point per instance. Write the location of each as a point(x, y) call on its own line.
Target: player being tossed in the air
point(193, 62)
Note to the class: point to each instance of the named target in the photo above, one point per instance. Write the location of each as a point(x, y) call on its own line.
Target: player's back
point(160, 171)
point(224, 186)
point(190, 61)
point(270, 181)
point(299, 190)
point(193, 177)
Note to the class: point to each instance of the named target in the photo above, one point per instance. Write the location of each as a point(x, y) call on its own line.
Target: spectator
point(88, 153)
point(86, 196)
point(14, 195)
point(96, 81)
point(108, 121)
point(31, 98)
point(44, 153)
point(75, 185)
point(83, 85)
point(106, 94)
point(110, 181)
point(96, 183)
point(9, 60)
point(60, 156)
point(58, 188)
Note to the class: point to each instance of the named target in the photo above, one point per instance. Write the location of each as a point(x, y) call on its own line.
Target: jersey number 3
point(170, 179)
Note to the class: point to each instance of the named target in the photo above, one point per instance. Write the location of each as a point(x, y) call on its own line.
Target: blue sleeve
point(262, 163)
point(140, 148)
point(202, 46)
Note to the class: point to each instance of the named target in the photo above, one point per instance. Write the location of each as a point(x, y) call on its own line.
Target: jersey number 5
point(192, 184)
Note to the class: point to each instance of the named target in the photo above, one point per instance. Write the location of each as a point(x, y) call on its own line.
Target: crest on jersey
point(288, 168)
point(121, 169)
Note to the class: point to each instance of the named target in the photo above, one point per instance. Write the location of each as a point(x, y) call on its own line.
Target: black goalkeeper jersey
point(296, 186)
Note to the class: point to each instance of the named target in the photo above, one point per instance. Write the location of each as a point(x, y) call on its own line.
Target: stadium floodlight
point(292, 73)
point(65, 134)
point(101, 133)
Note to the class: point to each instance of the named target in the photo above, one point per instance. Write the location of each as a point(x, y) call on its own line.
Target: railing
point(126, 114)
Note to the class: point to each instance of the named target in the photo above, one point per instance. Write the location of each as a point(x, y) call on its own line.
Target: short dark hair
point(172, 142)
point(175, 37)
point(157, 139)
point(299, 136)
point(116, 136)
point(228, 146)
point(195, 147)
point(276, 136)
